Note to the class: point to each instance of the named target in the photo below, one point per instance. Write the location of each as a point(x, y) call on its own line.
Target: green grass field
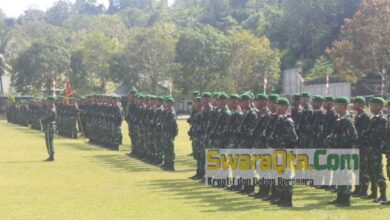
point(87, 182)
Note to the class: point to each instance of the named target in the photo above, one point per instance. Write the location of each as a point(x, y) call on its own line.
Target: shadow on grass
point(123, 162)
point(82, 146)
point(215, 199)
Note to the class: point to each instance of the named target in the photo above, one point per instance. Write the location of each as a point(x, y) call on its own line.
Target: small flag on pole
point(327, 84)
point(68, 91)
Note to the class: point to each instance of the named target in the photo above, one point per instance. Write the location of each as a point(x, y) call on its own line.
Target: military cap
point(250, 94)
point(245, 96)
point(206, 94)
point(329, 98)
point(283, 101)
point(195, 93)
point(132, 91)
point(359, 99)
point(262, 96)
point(51, 98)
point(170, 100)
point(216, 94)
point(273, 97)
point(223, 96)
point(234, 96)
point(160, 98)
point(378, 100)
point(318, 98)
point(305, 94)
point(342, 100)
point(297, 96)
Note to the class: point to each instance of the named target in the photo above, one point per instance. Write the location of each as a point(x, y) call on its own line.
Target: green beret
point(170, 100)
point(51, 98)
point(318, 98)
point(378, 100)
point(160, 98)
point(132, 91)
point(234, 96)
point(342, 100)
point(261, 96)
point(273, 97)
point(206, 95)
point(305, 94)
point(297, 96)
point(359, 99)
point(141, 96)
point(223, 96)
point(195, 93)
point(216, 94)
point(250, 94)
point(329, 99)
point(245, 97)
point(283, 101)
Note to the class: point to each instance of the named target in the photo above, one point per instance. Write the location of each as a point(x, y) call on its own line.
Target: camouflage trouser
point(346, 190)
point(364, 175)
point(375, 165)
point(169, 153)
point(305, 140)
point(49, 136)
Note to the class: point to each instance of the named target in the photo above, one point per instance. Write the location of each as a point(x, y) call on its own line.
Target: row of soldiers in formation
point(31, 113)
point(247, 121)
point(152, 128)
point(99, 117)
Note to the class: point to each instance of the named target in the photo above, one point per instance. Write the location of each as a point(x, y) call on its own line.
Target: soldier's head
point(234, 100)
point(272, 101)
point(160, 101)
point(305, 98)
point(168, 103)
point(295, 100)
point(329, 102)
point(132, 93)
point(342, 105)
point(50, 101)
point(206, 96)
point(261, 101)
point(317, 101)
point(376, 105)
point(246, 101)
point(282, 106)
point(222, 99)
point(359, 103)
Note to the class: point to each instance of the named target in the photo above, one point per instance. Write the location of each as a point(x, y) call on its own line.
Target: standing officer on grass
point(49, 124)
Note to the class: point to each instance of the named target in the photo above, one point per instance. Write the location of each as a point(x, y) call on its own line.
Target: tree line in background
point(227, 45)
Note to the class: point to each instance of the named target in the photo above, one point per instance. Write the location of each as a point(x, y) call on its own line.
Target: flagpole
point(265, 83)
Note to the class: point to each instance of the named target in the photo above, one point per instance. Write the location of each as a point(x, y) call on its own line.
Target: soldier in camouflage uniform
point(130, 111)
point(285, 137)
point(169, 134)
point(270, 128)
point(329, 122)
point(219, 133)
point(375, 136)
point(361, 121)
point(194, 133)
point(343, 136)
point(49, 127)
point(194, 106)
point(247, 129)
point(264, 114)
point(305, 121)
point(317, 122)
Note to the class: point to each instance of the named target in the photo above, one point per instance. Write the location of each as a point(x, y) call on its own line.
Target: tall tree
point(204, 58)
point(364, 46)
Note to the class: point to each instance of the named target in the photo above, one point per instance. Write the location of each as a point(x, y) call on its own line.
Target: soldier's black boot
point(374, 193)
point(382, 190)
point(344, 201)
point(286, 200)
point(363, 191)
point(254, 193)
point(266, 195)
point(50, 159)
point(336, 201)
point(194, 177)
point(356, 192)
point(169, 166)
